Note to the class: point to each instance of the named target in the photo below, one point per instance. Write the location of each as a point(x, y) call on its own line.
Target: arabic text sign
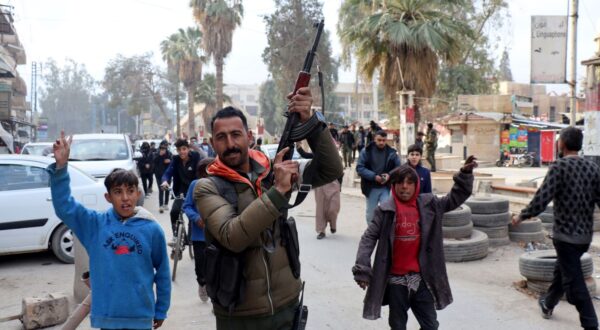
point(548, 49)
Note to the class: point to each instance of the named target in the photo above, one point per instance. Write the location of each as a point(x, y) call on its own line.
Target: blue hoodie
point(192, 213)
point(126, 259)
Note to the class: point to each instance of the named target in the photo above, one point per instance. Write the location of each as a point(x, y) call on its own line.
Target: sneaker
point(546, 312)
point(161, 209)
point(202, 293)
point(321, 236)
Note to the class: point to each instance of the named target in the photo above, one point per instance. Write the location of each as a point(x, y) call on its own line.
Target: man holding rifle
point(249, 226)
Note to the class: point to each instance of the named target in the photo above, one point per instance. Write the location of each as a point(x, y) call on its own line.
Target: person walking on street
point(144, 164)
point(197, 225)
point(248, 224)
point(182, 170)
point(362, 137)
point(356, 135)
point(334, 132)
point(409, 267)
point(374, 164)
point(347, 143)
point(207, 148)
point(161, 162)
point(414, 156)
point(419, 141)
point(573, 185)
point(431, 143)
point(373, 129)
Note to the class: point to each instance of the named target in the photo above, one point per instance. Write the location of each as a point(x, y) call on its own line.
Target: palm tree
point(218, 19)
point(172, 57)
point(403, 39)
point(206, 94)
point(182, 50)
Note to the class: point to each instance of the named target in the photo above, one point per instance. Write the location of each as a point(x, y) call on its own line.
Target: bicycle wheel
point(189, 241)
point(177, 249)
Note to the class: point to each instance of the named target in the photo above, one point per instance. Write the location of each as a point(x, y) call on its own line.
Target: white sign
point(548, 49)
point(591, 142)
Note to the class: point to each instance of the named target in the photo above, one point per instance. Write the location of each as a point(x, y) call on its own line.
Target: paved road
point(484, 296)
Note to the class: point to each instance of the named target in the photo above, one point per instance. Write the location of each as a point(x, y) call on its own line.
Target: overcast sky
point(94, 32)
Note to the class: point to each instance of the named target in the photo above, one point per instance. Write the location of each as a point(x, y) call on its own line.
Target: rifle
point(293, 132)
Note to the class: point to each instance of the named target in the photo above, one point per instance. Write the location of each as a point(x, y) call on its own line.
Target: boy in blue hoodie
point(127, 249)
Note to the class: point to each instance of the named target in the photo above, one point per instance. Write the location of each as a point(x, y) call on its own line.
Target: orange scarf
point(218, 168)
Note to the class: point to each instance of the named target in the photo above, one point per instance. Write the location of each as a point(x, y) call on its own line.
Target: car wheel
point(62, 244)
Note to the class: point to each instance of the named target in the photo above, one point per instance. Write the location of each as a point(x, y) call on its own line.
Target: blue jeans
point(376, 196)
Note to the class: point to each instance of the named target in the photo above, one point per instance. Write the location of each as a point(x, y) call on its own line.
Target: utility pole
point(573, 60)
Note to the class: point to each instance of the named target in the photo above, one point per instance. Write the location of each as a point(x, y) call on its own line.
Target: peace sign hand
point(62, 148)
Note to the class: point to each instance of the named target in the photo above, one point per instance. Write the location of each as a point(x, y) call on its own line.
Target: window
point(250, 98)
point(99, 149)
point(536, 111)
point(367, 100)
point(252, 110)
point(552, 114)
point(20, 177)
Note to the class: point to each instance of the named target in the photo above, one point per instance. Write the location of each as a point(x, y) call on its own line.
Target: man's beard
point(230, 163)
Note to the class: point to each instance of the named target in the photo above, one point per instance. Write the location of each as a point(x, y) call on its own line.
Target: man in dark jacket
point(144, 164)
point(161, 162)
point(182, 170)
point(573, 185)
point(250, 226)
point(347, 143)
point(409, 268)
point(374, 164)
point(415, 154)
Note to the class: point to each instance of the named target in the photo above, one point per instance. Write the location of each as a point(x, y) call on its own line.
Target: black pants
point(568, 279)
point(163, 195)
point(420, 302)
point(177, 204)
point(199, 247)
point(147, 182)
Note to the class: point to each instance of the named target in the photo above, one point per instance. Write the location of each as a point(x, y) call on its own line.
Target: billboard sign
point(548, 49)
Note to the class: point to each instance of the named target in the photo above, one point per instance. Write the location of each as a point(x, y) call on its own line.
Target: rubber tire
point(547, 227)
point(491, 220)
point(473, 248)
point(458, 232)
point(546, 217)
point(487, 205)
point(542, 287)
point(496, 242)
point(527, 226)
point(495, 232)
point(177, 251)
point(461, 216)
point(539, 265)
point(538, 236)
point(62, 242)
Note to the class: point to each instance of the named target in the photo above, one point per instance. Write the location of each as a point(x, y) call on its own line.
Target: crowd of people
point(246, 250)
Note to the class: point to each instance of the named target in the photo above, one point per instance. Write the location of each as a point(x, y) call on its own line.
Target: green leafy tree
point(65, 97)
point(505, 73)
point(271, 107)
point(135, 83)
point(218, 19)
point(405, 40)
point(182, 51)
point(290, 35)
point(206, 94)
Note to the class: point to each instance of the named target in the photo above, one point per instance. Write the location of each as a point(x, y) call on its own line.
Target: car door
point(27, 214)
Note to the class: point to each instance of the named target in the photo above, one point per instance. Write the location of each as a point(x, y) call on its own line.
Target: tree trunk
point(219, 65)
point(191, 123)
point(178, 110)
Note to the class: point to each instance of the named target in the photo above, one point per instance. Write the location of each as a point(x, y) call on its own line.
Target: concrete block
point(40, 312)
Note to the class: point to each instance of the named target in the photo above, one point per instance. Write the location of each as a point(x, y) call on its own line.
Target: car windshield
point(99, 149)
point(37, 150)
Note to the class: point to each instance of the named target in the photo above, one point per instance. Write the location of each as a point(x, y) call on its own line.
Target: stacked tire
point(527, 231)
point(461, 242)
point(538, 268)
point(491, 216)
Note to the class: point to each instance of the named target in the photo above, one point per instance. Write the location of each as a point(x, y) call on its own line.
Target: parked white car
point(99, 154)
point(37, 149)
point(27, 221)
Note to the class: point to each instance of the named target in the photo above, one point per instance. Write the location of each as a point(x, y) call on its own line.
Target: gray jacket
point(431, 255)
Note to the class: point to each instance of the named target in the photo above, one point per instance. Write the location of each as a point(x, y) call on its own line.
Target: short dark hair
point(202, 165)
point(400, 173)
point(430, 125)
point(259, 141)
point(420, 133)
point(415, 148)
point(119, 177)
point(181, 143)
point(228, 112)
point(381, 133)
point(572, 137)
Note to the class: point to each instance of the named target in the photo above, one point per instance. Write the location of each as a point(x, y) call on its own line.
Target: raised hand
point(62, 149)
point(470, 164)
point(286, 172)
point(301, 103)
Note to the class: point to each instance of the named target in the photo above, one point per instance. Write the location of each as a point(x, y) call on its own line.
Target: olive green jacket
point(270, 285)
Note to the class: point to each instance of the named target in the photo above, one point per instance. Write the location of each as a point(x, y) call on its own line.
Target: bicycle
point(182, 239)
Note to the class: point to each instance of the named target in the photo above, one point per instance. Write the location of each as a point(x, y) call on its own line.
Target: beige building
point(363, 109)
